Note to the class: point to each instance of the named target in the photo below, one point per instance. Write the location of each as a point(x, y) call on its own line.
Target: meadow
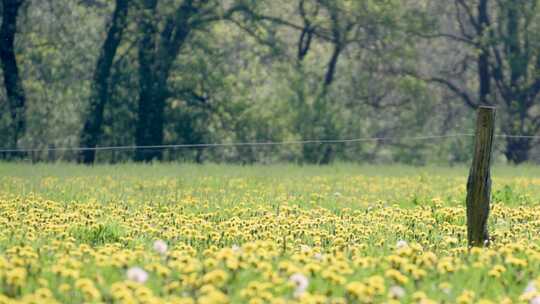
point(171, 233)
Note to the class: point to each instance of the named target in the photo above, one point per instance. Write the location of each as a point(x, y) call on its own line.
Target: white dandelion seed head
point(235, 248)
point(531, 287)
point(137, 274)
point(318, 256)
point(160, 246)
point(397, 292)
point(301, 282)
point(401, 244)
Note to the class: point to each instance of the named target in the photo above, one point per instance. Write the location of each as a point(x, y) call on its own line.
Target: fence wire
point(255, 144)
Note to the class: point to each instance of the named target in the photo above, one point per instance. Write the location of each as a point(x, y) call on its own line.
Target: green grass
point(359, 185)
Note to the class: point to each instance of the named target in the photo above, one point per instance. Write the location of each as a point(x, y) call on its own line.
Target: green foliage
point(239, 78)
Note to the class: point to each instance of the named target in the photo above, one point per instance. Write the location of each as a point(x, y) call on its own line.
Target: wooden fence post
point(479, 183)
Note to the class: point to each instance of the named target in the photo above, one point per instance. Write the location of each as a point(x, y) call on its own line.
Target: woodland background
point(87, 73)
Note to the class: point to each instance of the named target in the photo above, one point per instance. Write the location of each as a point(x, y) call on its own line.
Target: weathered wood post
point(479, 183)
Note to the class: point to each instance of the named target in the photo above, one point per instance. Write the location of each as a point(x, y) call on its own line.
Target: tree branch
point(447, 36)
point(470, 15)
point(455, 89)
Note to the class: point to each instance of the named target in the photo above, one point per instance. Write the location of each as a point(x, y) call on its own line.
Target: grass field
point(262, 234)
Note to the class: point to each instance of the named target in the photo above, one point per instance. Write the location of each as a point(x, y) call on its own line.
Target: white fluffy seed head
point(397, 292)
point(318, 256)
point(531, 287)
point(401, 244)
point(160, 246)
point(301, 282)
point(137, 274)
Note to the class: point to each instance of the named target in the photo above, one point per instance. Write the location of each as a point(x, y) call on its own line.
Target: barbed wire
point(254, 144)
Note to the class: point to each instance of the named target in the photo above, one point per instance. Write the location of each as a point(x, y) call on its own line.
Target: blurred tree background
point(98, 73)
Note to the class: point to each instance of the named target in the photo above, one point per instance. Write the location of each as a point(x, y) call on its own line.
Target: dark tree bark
point(340, 30)
point(484, 75)
point(306, 33)
point(152, 92)
point(12, 80)
point(339, 42)
point(331, 67)
point(318, 113)
point(479, 22)
point(157, 52)
point(517, 150)
point(92, 129)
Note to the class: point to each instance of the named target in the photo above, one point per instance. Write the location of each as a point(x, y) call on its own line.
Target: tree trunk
point(331, 67)
point(149, 123)
point(155, 61)
point(12, 80)
point(484, 76)
point(100, 88)
point(517, 150)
